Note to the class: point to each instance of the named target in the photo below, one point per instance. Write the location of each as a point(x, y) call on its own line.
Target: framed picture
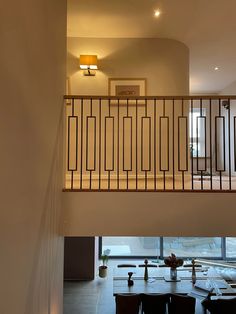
point(126, 87)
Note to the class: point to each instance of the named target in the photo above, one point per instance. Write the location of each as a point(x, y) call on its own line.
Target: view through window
point(205, 247)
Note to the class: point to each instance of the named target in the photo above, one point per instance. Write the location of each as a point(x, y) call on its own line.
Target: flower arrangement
point(173, 262)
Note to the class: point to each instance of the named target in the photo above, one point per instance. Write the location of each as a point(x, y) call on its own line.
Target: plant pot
point(102, 271)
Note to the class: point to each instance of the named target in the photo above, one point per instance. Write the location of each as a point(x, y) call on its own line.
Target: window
point(155, 247)
point(231, 248)
point(197, 126)
point(193, 246)
point(132, 246)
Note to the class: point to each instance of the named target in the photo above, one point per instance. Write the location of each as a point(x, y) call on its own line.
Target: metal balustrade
point(153, 143)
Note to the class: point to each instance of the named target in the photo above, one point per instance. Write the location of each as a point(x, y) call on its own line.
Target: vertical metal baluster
point(197, 135)
point(173, 141)
point(211, 181)
point(90, 172)
point(149, 148)
point(182, 114)
point(136, 153)
point(205, 138)
point(220, 170)
point(100, 143)
point(234, 144)
point(229, 139)
point(109, 172)
point(155, 166)
point(68, 148)
point(164, 172)
point(191, 144)
point(118, 144)
point(197, 144)
point(81, 147)
point(127, 172)
point(72, 172)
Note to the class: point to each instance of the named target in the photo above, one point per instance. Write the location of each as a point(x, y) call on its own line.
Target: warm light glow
point(157, 13)
point(88, 62)
point(216, 68)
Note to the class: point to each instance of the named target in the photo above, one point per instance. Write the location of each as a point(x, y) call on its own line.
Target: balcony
point(153, 143)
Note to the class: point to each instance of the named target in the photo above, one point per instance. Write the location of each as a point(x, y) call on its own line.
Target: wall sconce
point(88, 63)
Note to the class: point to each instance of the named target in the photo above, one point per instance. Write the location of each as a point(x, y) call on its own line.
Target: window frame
point(223, 255)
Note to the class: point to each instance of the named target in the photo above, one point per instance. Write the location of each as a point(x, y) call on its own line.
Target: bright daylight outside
point(182, 246)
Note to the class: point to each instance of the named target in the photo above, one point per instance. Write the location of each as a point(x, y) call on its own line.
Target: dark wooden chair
point(220, 306)
point(180, 304)
point(154, 303)
point(190, 265)
point(148, 265)
point(128, 303)
point(125, 265)
point(163, 265)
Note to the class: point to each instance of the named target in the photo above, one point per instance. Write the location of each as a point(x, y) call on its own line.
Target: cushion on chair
point(154, 303)
point(128, 303)
point(181, 304)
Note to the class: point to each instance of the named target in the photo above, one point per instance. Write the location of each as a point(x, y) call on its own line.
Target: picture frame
point(126, 87)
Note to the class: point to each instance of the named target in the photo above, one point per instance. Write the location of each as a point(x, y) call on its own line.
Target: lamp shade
point(88, 62)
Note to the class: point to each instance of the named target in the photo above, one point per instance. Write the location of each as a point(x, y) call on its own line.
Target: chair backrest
point(190, 265)
point(128, 303)
point(181, 304)
point(125, 265)
point(154, 303)
point(220, 306)
point(148, 265)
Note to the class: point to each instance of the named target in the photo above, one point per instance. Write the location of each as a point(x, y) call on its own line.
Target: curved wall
point(163, 62)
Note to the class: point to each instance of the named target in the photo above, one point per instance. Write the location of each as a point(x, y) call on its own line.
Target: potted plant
point(173, 262)
point(103, 268)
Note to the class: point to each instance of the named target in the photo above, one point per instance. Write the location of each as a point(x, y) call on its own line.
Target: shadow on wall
point(46, 280)
point(72, 64)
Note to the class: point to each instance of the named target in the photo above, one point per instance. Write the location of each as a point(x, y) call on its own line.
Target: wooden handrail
point(189, 97)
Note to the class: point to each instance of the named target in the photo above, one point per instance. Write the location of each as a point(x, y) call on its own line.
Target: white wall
point(164, 62)
point(149, 214)
point(32, 78)
point(230, 90)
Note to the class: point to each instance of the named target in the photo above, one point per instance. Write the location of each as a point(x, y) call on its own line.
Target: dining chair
point(220, 306)
point(190, 265)
point(180, 304)
point(154, 303)
point(148, 265)
point(163, 265)
point(125, 265)
point(128, 303)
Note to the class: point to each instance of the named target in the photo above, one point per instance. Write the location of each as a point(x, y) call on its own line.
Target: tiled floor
point(89, 297)
point(93, 297)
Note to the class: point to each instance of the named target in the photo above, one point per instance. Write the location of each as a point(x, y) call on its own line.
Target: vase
point(173, 273)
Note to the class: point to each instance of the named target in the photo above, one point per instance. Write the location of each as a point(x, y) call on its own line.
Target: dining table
point(159, 281)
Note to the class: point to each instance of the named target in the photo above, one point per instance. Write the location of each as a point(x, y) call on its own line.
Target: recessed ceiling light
point(157, 13)
point(216, 68)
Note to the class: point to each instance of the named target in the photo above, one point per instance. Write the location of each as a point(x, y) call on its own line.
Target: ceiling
point(207, 27)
